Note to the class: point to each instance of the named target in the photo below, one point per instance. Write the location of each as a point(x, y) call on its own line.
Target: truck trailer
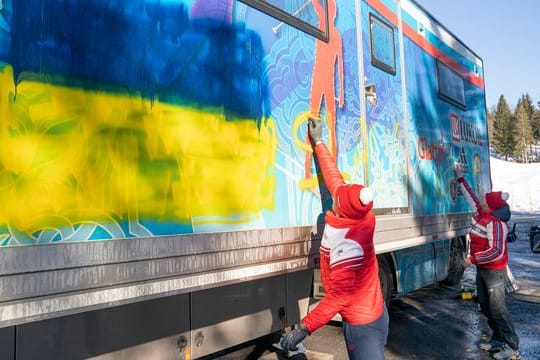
point(161, 200)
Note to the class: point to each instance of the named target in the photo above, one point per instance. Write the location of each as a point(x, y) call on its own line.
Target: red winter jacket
point(349, 268)
point(488, 234)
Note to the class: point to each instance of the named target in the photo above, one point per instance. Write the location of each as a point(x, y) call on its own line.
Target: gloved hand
point(315, 130)
point(294, 337)
point(458, 170)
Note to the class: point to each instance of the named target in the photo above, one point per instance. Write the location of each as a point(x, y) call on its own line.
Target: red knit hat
point(496, 199)
point(353, 201)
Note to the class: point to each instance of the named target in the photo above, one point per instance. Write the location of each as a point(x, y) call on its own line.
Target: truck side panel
point(116, 84)
point(164, 108)
point(175, 131)
point(444, 119)
point(447, 114)
point(179, 117)
point(386, 148)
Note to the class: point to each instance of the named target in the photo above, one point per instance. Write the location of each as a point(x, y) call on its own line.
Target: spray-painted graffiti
point(386, 155)
point(391, 177)
point(108, 157)
point(328, 55)
point(290, 77)
point(123, 118)
point(129, 118)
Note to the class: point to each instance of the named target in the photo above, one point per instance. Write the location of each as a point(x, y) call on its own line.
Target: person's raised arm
point(331, 174)
point(467, 191)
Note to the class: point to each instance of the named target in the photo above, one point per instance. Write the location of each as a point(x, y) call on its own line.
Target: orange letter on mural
point(326, 56)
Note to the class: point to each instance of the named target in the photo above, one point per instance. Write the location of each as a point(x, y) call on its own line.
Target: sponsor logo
point(430, 151)
point(464, 131)
point(454, 123)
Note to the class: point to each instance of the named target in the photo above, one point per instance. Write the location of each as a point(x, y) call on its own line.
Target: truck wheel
point(455, 265)
point(386, 278)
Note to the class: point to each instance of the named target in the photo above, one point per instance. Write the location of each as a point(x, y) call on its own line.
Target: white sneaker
point(507, 353)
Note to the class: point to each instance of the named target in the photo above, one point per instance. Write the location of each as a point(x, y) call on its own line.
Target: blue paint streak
point(429, 117)
point(140, 46)
point(167, 228)
point(5, 29)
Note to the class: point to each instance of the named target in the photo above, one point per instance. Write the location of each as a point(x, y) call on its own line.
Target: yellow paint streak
point(364, 153)
point(68, 151)
point(311, 183)
point(300, 119)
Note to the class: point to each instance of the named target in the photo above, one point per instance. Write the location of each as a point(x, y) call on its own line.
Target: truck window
point(450, 85)
point(383, 54)
point(301, 14)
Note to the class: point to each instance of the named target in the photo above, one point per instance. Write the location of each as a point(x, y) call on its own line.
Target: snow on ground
point(521, 181)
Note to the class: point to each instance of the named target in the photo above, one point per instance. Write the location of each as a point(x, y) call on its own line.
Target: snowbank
point(522, 181)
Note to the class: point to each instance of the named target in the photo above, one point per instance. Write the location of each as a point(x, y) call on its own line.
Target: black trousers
point(366, 342)
point(492, 299)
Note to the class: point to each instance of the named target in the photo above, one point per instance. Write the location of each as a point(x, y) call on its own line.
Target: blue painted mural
point(125, 118)
point(441, 134)
point(131, 118)
point(162, 50)
point(387, 162)
point(179, 116)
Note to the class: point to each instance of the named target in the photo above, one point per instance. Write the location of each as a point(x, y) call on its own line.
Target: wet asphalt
point(435, 323)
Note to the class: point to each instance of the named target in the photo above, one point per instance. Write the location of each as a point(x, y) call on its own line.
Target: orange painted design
point(384, 11)
point(426, 45)
point(326, 56)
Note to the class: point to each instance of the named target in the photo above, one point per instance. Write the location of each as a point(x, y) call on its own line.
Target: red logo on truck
point(463, 131)
point(456, 127)
point(430, 151)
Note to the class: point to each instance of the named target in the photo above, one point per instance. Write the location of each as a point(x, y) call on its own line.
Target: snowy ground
point(524, 263)
point(522, 181)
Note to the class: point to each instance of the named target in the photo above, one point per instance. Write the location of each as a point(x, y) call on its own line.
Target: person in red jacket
point(349, 268)
point(489, 252)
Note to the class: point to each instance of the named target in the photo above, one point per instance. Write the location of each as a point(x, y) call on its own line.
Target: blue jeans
point(492, 299)
point(366, 342)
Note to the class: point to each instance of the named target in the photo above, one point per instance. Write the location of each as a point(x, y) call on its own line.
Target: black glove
point(315, 130)
point(293, 338)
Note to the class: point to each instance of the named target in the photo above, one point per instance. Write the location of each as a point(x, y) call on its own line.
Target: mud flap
point(455, 266)
point(534, 238)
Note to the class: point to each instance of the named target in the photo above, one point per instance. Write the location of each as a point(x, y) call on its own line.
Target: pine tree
point(531, 110)
point(536, 130)
point(535, 125)
point(490, 120)
point(528, 104)
point(524, 138)
point(504, 135)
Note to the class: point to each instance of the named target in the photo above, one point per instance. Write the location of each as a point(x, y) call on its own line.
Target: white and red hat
point(353, 200)
point(496, 199)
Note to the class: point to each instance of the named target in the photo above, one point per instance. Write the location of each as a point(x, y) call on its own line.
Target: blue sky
point(505, 34)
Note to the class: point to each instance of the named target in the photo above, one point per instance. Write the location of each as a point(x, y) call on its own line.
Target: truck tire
point(386, 277)
point(455, 263)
